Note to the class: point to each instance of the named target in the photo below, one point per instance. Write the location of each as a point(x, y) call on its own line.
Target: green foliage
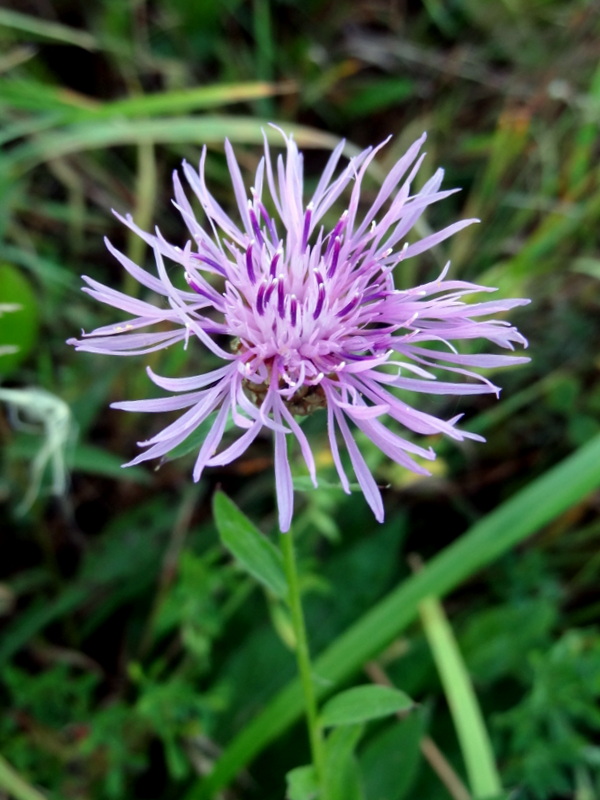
point(302, 783)
point(396, 746)
point(342, 778)
point(548, 729)
point(18, 327)
point(253, 551)
point(535, 505)
point(363, 703)
point(471, 731)
point(495, 638)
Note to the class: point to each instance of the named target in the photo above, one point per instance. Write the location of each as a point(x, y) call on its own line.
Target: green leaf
point(342, 779)
point(37, 96)
point(94, 134)
point(83, 458)
point(19, 323)
point(96, 461)
point(302, 783)
point(45, 29)
point(253, 551)
point(363, 703)
point(472, 734)
point(568, 483)
point(16, 785)
point(398, 744)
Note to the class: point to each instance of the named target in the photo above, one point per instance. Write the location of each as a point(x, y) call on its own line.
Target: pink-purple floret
point(313, 318)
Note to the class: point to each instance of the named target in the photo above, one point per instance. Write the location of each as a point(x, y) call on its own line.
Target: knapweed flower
point(304, 315)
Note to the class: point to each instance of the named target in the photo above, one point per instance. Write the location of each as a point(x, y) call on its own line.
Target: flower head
point(311, 316)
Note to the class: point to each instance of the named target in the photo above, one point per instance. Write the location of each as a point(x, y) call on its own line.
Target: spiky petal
point(313, 315)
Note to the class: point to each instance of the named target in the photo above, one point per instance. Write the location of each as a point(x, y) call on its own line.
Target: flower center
point(302, 403)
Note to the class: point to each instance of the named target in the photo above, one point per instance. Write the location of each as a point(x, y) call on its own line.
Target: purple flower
point(305, 317)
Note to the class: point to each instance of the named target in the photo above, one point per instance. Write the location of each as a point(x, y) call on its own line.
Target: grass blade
point(35, 96)
point(176, 130)
point(45, 29)
point(470, 728)
point(15, 785)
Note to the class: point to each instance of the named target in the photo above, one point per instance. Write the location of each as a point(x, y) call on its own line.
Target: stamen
point(192, 283)
point(293, 310)
point(255, 225)
point(336, 232)
point(281, 297)
point(260, 299)
point(321, 294)
point(249, 264)
point(270, 290)
point(214, 298)
point(375, 296)
point(337, 244)
point(306, 231)
point(275, 259)
point(209, 262)
point(269, 221)
point(350, 306)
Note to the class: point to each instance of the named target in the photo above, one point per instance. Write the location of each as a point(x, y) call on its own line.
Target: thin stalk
point(303, 657)
point(16, 785)
point(468, 720)
point(145, 196)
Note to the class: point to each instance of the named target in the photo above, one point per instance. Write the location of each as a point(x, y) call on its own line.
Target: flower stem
point(303, 658)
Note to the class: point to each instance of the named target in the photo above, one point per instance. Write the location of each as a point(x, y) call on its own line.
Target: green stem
point(303, 657)
point(15, 785)
point(470, 727)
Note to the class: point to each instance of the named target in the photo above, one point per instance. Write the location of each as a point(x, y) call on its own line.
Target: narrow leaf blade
point(363, 703)
point(248, 546)
point(302, 783)
point(472, 734)
point(342, 779)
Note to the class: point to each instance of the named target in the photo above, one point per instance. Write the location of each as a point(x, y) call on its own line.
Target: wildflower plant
point(305, 317)
point(311, 316)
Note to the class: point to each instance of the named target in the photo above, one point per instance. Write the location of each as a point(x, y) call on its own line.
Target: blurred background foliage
point(133, 648)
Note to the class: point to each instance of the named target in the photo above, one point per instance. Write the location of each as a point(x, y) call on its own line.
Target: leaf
point(301, 783)
point(397, 746)
point(96, 461)
point(19, 325)
point(566, 484)
point(83, 458)
point(342, 779)
point(37, 96)
point(45, 29)
point(91, 135)
point(475, 744)
point(363, 703)
point(15, 784)
point(253, 551)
